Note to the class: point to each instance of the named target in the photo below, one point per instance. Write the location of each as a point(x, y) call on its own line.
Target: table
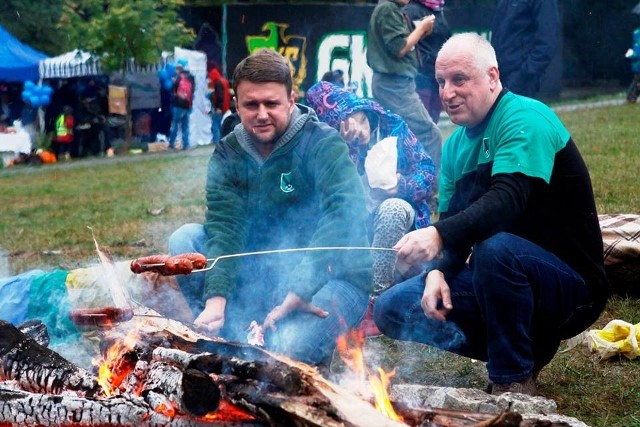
point(13, 143)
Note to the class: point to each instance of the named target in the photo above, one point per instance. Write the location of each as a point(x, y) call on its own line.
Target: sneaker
point(527, 386)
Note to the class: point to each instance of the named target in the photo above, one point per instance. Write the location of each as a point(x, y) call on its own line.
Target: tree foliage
point(120, 30)
point(33, 22)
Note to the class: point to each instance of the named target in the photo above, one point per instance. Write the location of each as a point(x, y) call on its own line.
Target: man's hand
point(436, 290)
point(291, 303)
point(419, 246)
point(211, 319)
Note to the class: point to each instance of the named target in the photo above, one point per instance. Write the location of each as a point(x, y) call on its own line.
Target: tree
point(121, 30)
point(33, 22)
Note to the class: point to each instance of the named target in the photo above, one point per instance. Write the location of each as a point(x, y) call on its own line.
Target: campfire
point(155, 371)
point(160, 373)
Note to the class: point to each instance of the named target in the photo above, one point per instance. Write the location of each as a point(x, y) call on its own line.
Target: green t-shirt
point(522, 135)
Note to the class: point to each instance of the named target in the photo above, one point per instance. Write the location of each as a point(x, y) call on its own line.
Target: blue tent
point(18, 62)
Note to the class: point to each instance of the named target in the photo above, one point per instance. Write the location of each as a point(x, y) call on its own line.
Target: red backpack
point(184, 91)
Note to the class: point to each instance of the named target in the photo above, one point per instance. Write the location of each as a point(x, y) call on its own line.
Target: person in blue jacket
point(634, 55)
point(525, 35)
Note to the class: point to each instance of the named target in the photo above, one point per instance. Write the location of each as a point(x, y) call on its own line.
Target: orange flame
point(350, 346)
point(163, 409)
point(380, 385)
point(227, 411)
point(110, 371)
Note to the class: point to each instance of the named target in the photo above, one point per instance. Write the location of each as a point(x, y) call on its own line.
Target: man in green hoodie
point(282, 179)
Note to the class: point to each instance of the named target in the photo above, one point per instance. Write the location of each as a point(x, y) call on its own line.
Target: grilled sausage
point(170, 265)
point(148, 263)
point(104, 316)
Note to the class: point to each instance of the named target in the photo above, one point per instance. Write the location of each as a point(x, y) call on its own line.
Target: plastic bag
point(617, 337)
point(381, 164)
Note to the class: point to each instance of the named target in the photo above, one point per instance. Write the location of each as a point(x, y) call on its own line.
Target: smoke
point(5, 269)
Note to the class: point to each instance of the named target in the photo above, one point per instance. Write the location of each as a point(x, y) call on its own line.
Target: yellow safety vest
point(61, 128)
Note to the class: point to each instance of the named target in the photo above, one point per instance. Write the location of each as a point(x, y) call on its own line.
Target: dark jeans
point(634, 88)
point(512, 304)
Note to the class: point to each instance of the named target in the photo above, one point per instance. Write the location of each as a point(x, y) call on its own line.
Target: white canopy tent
point(78, 63)
point(71, 64)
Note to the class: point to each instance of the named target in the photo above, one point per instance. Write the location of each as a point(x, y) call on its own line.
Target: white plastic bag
point(617, 337)
point(381, 164)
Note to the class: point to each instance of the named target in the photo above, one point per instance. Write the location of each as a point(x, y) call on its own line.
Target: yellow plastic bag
point(617, 337)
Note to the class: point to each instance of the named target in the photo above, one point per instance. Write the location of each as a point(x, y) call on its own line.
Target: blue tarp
point(18, 62)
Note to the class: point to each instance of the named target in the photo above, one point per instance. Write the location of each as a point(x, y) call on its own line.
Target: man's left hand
point(291, 303)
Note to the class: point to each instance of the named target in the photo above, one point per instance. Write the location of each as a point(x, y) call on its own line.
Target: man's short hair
point(263, 66)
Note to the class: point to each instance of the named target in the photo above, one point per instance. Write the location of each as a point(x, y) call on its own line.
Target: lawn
point(132, 203)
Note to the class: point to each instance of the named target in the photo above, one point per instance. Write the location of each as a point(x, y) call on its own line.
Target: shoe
point(527, 386)
point(368, 326)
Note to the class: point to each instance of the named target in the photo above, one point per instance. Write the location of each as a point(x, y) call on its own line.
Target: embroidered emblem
point(485, 147)
point(285, 183)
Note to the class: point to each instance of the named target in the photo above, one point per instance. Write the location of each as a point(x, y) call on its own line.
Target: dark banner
point(315, 38)
point(319, 38)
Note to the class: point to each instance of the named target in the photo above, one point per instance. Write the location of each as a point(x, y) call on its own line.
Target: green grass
point(45, 211)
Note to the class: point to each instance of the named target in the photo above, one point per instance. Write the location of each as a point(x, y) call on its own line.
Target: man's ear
point(494, 77)
point(292, 101)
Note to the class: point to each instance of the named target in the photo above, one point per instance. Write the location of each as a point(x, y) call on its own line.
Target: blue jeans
point(180, 119)
point(512, 304)
point(216, 122)
point(302, 336)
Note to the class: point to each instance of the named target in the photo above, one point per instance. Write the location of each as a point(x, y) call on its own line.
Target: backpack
point(184, 91)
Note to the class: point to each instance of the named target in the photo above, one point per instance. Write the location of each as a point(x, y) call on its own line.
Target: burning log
point(190, 391)
point(37, 368)
point(21, 408)
point(197, 382)
point(36, 330)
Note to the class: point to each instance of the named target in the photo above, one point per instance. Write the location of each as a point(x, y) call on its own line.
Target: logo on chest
point(485, 147)
point(285, 183)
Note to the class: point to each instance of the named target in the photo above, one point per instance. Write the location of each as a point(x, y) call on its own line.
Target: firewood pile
point(178, 378)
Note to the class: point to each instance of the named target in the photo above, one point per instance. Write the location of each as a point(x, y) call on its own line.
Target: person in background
point(220, 99)
point(394, 211)
point(515, 263)
point(64, 133)
point(634, 55)
point(183, 89)
point(525, 36)
point(29, 119)
point(94, 134)
point(428, 48)
point(392, 56)
point(336, 77)
point(7, 108)
point(280, 180)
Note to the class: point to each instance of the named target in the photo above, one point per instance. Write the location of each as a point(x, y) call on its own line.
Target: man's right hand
point(419, 246)
point(211, 319)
